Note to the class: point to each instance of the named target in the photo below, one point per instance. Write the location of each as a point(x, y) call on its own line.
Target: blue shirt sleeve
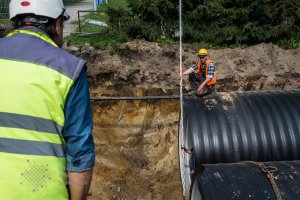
point(78, 127)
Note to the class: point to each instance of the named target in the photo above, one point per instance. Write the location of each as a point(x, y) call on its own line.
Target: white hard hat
point(47, 8)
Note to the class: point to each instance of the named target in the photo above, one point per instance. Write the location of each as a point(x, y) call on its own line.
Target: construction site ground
point(137, 141)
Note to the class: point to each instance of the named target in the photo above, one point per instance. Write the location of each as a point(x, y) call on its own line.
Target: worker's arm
point(190, 70)
point(200, 87)
point(78, 137)
point(79, 184)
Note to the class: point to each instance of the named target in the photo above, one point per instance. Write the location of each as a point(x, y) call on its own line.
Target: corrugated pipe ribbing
point(231, 127)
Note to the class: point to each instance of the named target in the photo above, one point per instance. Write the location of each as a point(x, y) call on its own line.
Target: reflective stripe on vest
point(207, 63)
point(31, 32)
point(33, 96)
point(28, 147)
point(29, 123)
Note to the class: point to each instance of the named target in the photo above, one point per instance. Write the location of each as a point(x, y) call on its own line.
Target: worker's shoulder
point(63, 57)
point(210, 62)
point(31, 49)
point(60, 52)
point(64, 61)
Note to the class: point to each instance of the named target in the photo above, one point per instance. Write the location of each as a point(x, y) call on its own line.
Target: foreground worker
point(202, 76)
point(46, 144)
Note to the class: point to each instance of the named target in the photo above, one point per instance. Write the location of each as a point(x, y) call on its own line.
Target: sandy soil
point(136, 147)
point(136, 141)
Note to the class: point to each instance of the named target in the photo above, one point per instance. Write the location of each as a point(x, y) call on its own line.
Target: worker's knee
point(192, 77)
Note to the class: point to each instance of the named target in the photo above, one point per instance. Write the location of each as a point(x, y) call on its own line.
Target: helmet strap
point(63, 15)
point(32, 21)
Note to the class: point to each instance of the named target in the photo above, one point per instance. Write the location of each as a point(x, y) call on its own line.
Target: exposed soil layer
point(137, 141)
point(136, 147)
point(143, 68)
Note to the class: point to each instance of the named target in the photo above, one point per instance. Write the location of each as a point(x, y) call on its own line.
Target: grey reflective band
point(16, 48)
point(29, 147)
point(29, 123)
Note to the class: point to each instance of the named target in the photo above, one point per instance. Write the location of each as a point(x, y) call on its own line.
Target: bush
point(219, 22)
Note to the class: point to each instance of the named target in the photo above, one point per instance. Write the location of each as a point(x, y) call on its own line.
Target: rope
point(181, 132)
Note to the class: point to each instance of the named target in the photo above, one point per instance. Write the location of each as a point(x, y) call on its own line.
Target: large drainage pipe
point(237, 126)
point(245, 181)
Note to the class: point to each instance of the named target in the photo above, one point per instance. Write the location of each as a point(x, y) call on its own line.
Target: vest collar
point(32, 30)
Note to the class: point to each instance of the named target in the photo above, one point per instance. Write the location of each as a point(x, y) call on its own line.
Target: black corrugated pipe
point(237, 126)
point(247, 181)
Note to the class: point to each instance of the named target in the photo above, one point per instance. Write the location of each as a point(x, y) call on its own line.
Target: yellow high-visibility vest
point(35, 79)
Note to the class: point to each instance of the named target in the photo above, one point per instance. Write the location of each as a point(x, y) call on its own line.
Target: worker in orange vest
point(202, 76)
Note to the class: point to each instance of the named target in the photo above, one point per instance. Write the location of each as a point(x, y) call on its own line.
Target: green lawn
point(4, 22)
point(118, 3)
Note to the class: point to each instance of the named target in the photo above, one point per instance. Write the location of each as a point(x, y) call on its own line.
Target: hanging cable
point(181, 132)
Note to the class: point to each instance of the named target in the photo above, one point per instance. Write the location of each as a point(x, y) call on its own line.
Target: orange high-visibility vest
point(207, 63)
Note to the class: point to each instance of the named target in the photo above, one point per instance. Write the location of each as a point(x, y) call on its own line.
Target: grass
point(5, 22)
point(107, 40)
point(289, 43)
point(292, 43)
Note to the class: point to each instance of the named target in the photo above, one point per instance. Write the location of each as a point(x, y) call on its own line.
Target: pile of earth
point(144, 68)
point(137, 141)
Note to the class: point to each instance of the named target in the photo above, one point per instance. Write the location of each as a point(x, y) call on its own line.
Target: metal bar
point(79, 21)
point(134, 98)
point(88, 11)
point(83, 11)
point(95, 5)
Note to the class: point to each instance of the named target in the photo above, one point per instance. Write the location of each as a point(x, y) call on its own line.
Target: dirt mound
point(143, 68)
point(136, 141)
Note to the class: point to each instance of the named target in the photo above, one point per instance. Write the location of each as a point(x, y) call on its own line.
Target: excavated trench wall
point(136, 148)
point(137, 141)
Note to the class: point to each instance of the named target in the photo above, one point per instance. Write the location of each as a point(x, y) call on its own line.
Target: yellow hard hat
point(202, 52)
